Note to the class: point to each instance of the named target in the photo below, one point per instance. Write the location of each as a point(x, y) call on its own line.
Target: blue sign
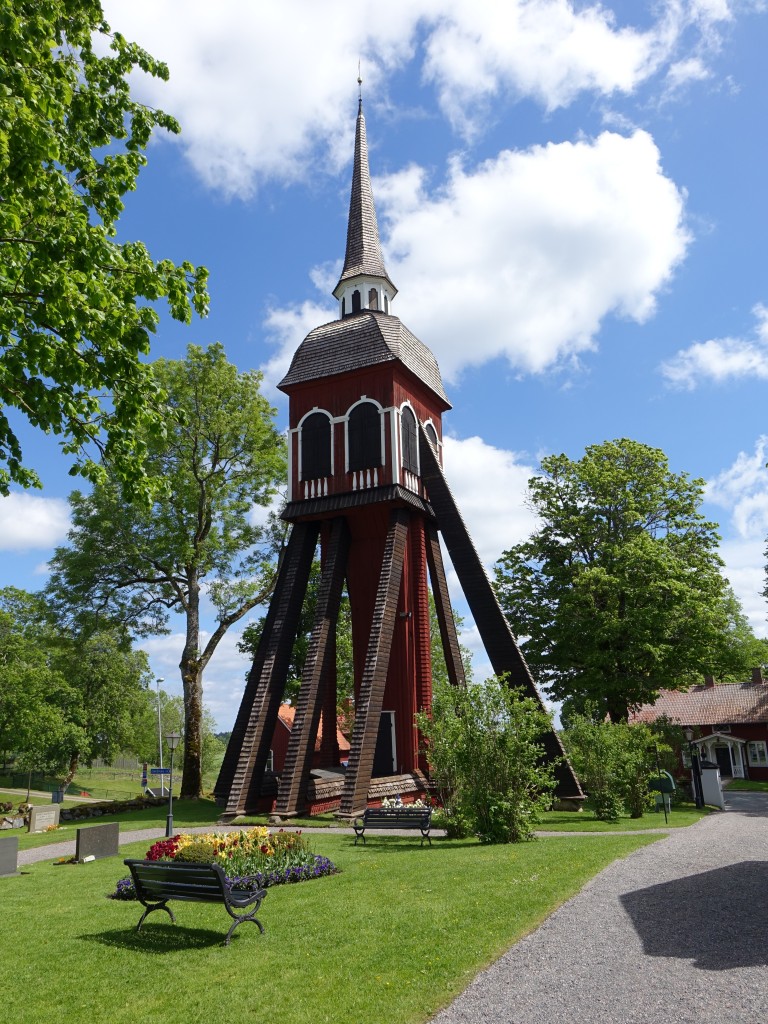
point(159, 771)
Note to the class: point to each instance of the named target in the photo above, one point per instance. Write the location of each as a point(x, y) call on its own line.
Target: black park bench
point(158, 881)
point(394, 817)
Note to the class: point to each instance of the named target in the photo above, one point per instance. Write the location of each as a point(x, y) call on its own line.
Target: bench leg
point(254, 921)
point(158, 906)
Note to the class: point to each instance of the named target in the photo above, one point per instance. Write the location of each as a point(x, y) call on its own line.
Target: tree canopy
point(66, 696)
point(619, 591)
point(77, 307)
point(221, 457)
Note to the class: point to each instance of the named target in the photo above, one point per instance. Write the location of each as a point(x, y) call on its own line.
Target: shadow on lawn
point(406, 844)
point(158, 939)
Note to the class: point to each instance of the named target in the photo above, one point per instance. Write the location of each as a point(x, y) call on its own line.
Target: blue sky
point(572, 203)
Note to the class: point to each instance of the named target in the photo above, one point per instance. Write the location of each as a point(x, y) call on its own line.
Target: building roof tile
point(356, 342)
point(363, 253)
point(732, 703)
point(287, 713)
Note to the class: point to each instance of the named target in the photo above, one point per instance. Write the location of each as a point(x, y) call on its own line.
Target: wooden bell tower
point(365, 483)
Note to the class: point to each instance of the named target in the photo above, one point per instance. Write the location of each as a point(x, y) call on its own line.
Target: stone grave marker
point(98, 841)
point(40, 818)
point(9, 852)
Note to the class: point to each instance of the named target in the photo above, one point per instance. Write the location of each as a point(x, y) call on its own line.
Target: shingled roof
point(724, 703)
point(366, 339)
point(363, 255)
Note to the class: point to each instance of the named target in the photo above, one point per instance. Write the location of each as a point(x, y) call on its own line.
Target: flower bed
point(251, 859)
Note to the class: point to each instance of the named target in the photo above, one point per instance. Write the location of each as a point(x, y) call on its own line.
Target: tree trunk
point(74, 761)
point(192, 681)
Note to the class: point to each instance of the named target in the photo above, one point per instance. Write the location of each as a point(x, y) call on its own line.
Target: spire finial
point(359, 90)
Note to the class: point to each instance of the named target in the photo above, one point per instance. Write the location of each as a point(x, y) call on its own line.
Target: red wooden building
point(730, 719)
point(366, 483)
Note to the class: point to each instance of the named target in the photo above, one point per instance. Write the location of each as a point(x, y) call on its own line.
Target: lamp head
point(688, 733)
point(172, 739)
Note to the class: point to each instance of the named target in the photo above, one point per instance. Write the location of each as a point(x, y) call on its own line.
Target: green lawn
point(391, 939)
point(585, 821)
point(186, 814)
point(748, 786)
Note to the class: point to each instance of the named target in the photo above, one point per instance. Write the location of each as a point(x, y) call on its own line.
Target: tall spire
point(363, 254)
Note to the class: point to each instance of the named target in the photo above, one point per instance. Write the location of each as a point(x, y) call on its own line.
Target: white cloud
point(594, 223)
point(544, 49)
point(261, 93)
point(224, 677)
point(28, 522)
point(286, 329)
point(490, 486)
point(722, 359)
point(742, 490)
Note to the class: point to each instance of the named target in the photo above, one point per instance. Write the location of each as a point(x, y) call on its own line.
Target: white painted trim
point(290, 463)
point(395, 432)
point(416, 418)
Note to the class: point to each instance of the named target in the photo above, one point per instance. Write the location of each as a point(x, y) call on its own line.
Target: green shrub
point(198, 852)
point(486, 757)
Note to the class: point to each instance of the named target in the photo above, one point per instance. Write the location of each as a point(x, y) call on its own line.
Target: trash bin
point(57, 796)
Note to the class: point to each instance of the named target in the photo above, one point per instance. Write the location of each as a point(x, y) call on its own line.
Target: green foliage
point(66, 696)
point(616, 762)
point(199, 851)
point(619, 591)
point(77, 308)
point(486, 757)
point(345, 668)
point(139, 564)
point(439, 668)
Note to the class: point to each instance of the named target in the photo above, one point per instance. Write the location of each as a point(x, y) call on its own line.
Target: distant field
point(107, 783)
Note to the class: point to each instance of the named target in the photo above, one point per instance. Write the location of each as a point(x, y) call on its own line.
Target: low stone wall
point(83, 811)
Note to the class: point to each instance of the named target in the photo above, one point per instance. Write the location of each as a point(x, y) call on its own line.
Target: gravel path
point(676, 933)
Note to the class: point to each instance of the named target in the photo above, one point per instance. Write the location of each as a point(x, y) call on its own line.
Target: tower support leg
point(368, 710)
point(242, 770)
point(291, 798)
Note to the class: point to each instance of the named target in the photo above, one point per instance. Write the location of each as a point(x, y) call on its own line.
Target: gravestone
point(9, 852)
point(98, 841)
point(41, 818)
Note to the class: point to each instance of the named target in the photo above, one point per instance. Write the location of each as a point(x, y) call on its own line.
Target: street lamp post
point(172, 739)
point(160, 736)
point(698, 792)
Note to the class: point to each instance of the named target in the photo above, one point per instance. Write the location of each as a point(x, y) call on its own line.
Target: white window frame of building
point(757, 754)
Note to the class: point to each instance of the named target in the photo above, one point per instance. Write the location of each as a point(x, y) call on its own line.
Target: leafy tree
point(439, 668)
point(740, 650)
point(619, 591)
point(172, 718)
point(484, 750)
point(139, 564)
point(77, 308)
point(616, 762)
point(66, 697)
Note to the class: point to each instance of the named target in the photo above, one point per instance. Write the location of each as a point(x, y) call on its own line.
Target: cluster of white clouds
point(30, 522)
point(522, 257)
point(259, 94)
point(742, 491)
point(720, 360)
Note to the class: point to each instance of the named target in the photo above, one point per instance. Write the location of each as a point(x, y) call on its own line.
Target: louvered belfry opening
point(367, 497)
